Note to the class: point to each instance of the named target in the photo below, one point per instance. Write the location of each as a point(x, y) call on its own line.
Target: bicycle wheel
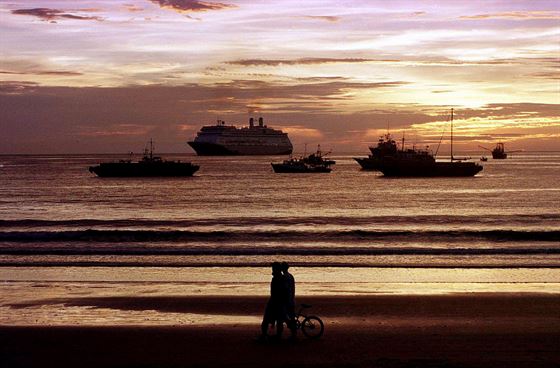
point(312, 327)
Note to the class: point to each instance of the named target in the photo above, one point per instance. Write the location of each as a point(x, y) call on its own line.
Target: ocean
point(349, 231)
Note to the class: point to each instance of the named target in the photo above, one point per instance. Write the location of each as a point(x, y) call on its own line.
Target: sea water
point(64, 230)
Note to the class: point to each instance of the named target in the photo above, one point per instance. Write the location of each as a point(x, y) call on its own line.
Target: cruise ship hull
point(213, 149)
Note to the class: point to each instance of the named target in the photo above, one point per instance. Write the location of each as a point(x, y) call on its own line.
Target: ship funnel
point(251, 124)
point(261, 123)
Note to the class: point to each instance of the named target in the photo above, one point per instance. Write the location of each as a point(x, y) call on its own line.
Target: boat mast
point(151, 148)
point(451, 134)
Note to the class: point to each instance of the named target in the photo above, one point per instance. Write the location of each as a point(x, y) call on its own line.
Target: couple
point(281, 305)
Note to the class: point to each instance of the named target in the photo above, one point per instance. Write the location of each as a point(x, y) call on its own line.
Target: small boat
point(499, 152)
point(149, 166)
point(484, 158)
point(314, 163)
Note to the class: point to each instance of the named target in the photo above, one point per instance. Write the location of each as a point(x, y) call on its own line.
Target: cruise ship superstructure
point(222, 139)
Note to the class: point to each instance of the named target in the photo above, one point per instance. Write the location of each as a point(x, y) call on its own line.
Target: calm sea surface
point(66, 235)
point(236, 212)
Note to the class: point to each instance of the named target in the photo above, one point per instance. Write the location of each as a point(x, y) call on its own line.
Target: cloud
point(34, 66)
point(94, 119)
point(187, 6)
point(51, 15)
point(115, 130)
point(301, 61)
point(519, 15)
point(133, 8)
point(72, 119)
point(410, 61)
point(514, 110)
point(320, 79)
point(326, 18)
point(302, 132)
point(546, 75)
point(16, 87)
point(63, 73)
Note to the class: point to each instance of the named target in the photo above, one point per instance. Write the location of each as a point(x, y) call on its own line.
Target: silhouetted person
point(275, 312)
point(291, 300)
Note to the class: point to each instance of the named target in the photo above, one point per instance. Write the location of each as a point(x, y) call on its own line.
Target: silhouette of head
point(276, 268)
point(284, 266)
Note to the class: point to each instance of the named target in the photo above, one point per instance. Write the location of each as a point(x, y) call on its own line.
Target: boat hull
point(499, 155)
point(213, 149)
point(138, 169)
point(368, 163)
point(296, 169)
point(437, 169)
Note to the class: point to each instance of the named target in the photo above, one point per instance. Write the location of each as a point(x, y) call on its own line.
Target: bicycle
point(311, 326)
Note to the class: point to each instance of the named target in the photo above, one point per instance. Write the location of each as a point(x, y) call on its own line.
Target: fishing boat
point(314, 163)
point(386, 146)
point(499, 152)
point(148, 166)
point(422, 163)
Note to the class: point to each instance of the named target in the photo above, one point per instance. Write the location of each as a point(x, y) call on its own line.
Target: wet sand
point(457, 330)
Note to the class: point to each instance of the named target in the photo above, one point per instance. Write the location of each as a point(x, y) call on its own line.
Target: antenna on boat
point(451, 134)
point(440, 139)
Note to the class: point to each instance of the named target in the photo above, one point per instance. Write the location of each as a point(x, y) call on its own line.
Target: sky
point(105, 76)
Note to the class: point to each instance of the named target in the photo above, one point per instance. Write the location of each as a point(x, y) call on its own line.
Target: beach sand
point(454, 330)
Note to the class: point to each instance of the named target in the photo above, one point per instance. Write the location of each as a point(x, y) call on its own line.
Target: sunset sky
point(105, 76)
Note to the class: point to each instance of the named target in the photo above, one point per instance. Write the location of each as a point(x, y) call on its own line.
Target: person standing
point(290, 283)
point(275, 311)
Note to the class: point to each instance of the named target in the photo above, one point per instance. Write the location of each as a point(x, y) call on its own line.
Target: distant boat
point(484, 159)
point(149, 166)
point(421, 163)
point(314, 163)
point(386, 146)
point(499, 152)
point(227, 140)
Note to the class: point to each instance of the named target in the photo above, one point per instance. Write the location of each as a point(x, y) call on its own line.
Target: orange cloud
point(302, 132)
point(116, 130)
point(304, 61)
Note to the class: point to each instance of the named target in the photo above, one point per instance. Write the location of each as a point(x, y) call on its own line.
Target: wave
point(282, 251)
point(266, 263)
point(318, 220)
point(273, 236)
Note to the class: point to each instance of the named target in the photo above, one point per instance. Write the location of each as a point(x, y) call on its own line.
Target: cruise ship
point(222, 140)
